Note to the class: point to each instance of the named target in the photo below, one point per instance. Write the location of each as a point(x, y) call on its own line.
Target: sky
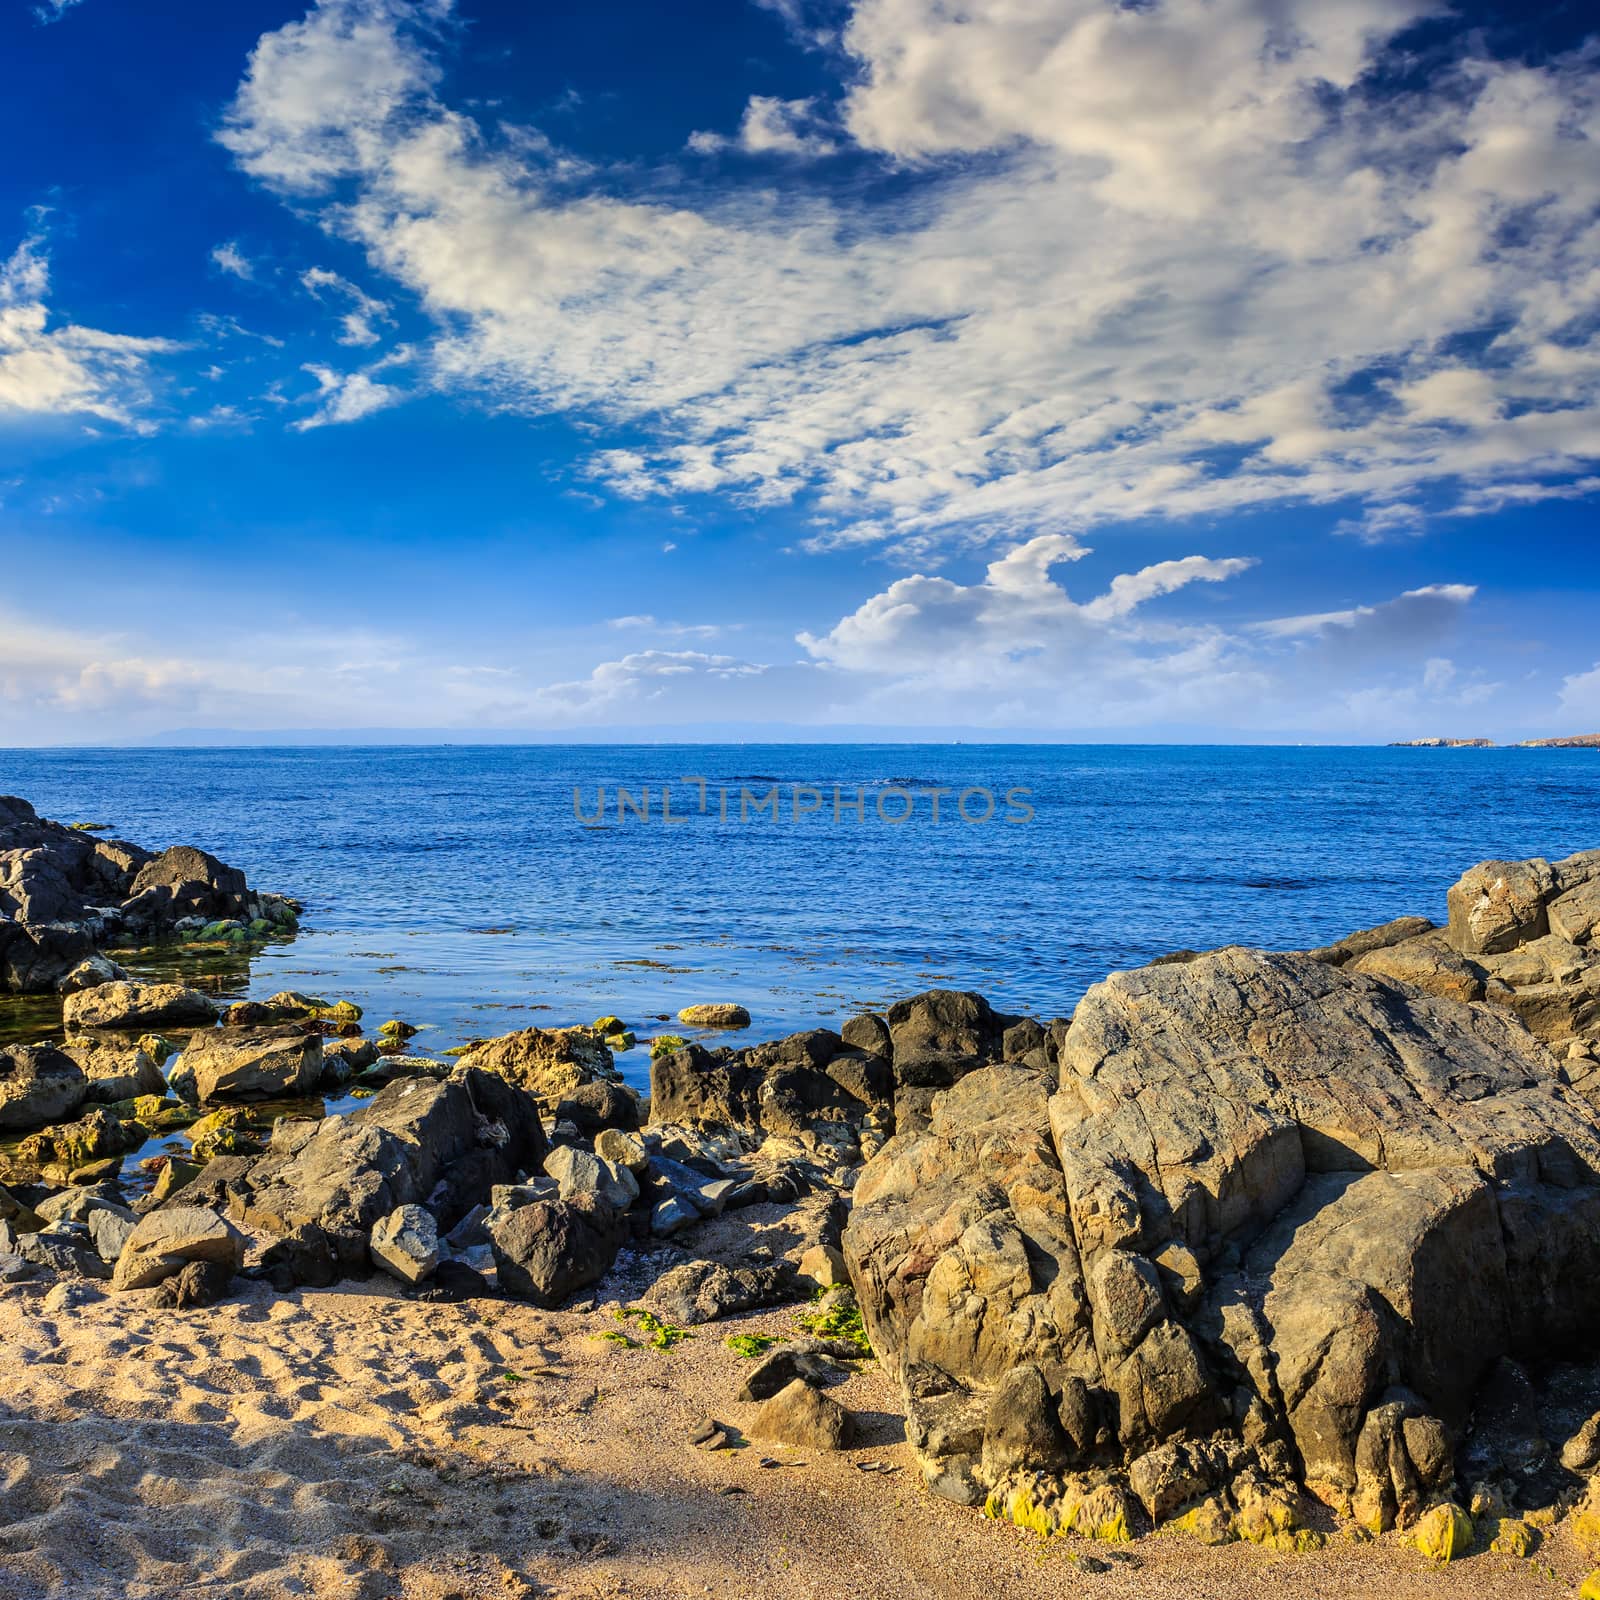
point(1163, 370)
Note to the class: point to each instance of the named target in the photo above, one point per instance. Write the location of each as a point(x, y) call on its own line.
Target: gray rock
point(164, 1242)
point(134, 1006)
point(38, 1085)
point(547, 1251)
point(90, 973)
point(406, 1244)
point(1264, 1190)
point(578, 1172)
point(419, 1141)
point(253, 1063)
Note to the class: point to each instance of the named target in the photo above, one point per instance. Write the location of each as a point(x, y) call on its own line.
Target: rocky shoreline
point(66, 894)
point(1266, 1247)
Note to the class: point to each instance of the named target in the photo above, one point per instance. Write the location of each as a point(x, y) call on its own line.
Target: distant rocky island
point(1570, 741)
point(1442, 744)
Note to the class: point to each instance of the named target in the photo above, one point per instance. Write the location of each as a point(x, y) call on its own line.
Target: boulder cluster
point(1251, 1242)
point(66, 893)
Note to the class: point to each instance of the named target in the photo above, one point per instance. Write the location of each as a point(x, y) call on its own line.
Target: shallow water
point(456, 888)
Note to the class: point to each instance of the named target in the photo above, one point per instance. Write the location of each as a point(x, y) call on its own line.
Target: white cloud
point(228, 257)
point(1579, 700)
point(1199, 266)
point(936, 645)
point(363, 310)
point(346, 397)
point(1383, 523)
point(676, 630)
point(771, 126)
point(53, 10)
point(53, 369)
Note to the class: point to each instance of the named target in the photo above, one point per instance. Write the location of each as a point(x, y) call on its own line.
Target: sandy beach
point(352, 1444)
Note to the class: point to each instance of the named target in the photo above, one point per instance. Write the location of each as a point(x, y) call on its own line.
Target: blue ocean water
point(455, 886)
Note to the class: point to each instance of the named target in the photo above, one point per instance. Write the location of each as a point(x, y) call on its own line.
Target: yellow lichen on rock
point(1514, 1537)
point(1052, 1507)
point(1444, 1533)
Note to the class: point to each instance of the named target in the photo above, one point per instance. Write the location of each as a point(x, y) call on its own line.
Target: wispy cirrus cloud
point(1144, 262)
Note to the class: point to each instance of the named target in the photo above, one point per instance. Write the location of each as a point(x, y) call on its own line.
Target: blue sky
point(1048, 367)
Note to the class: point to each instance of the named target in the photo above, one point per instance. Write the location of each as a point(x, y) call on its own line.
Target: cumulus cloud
point(1144, 261)
point(1019, 635)
point(771, 126)
point(1015, 649)
point(54, 369)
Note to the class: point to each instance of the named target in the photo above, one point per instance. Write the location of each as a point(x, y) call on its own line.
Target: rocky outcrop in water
point(65, 893)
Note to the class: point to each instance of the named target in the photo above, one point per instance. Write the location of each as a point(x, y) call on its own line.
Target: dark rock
point(200, 1283)
point(454, 1282)
point(702, 1291)
point(550, 1249)
point(38, 1084)
point(780, 1367)
point(868, 1033)
point(440, 1143)
point(65, 892)
point(1023, 1430)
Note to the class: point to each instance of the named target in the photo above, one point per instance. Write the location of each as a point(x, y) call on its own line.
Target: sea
point(470, 891)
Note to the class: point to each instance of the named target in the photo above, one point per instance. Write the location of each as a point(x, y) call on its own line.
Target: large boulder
point(549, 1249)
point(163, 1243)
point(252, 1063)
point(134, 1006)
point(552, 1064)
point(38, 1084)
point(442, 1144)
point(115, 1069)
point(1267, 1192)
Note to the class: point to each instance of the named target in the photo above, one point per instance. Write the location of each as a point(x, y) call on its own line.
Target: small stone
point(803, 1417)
point(622, 1149)
point(1444, 1533)
point(715, 1015)
point(406, 1244)
point(824, 1264)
